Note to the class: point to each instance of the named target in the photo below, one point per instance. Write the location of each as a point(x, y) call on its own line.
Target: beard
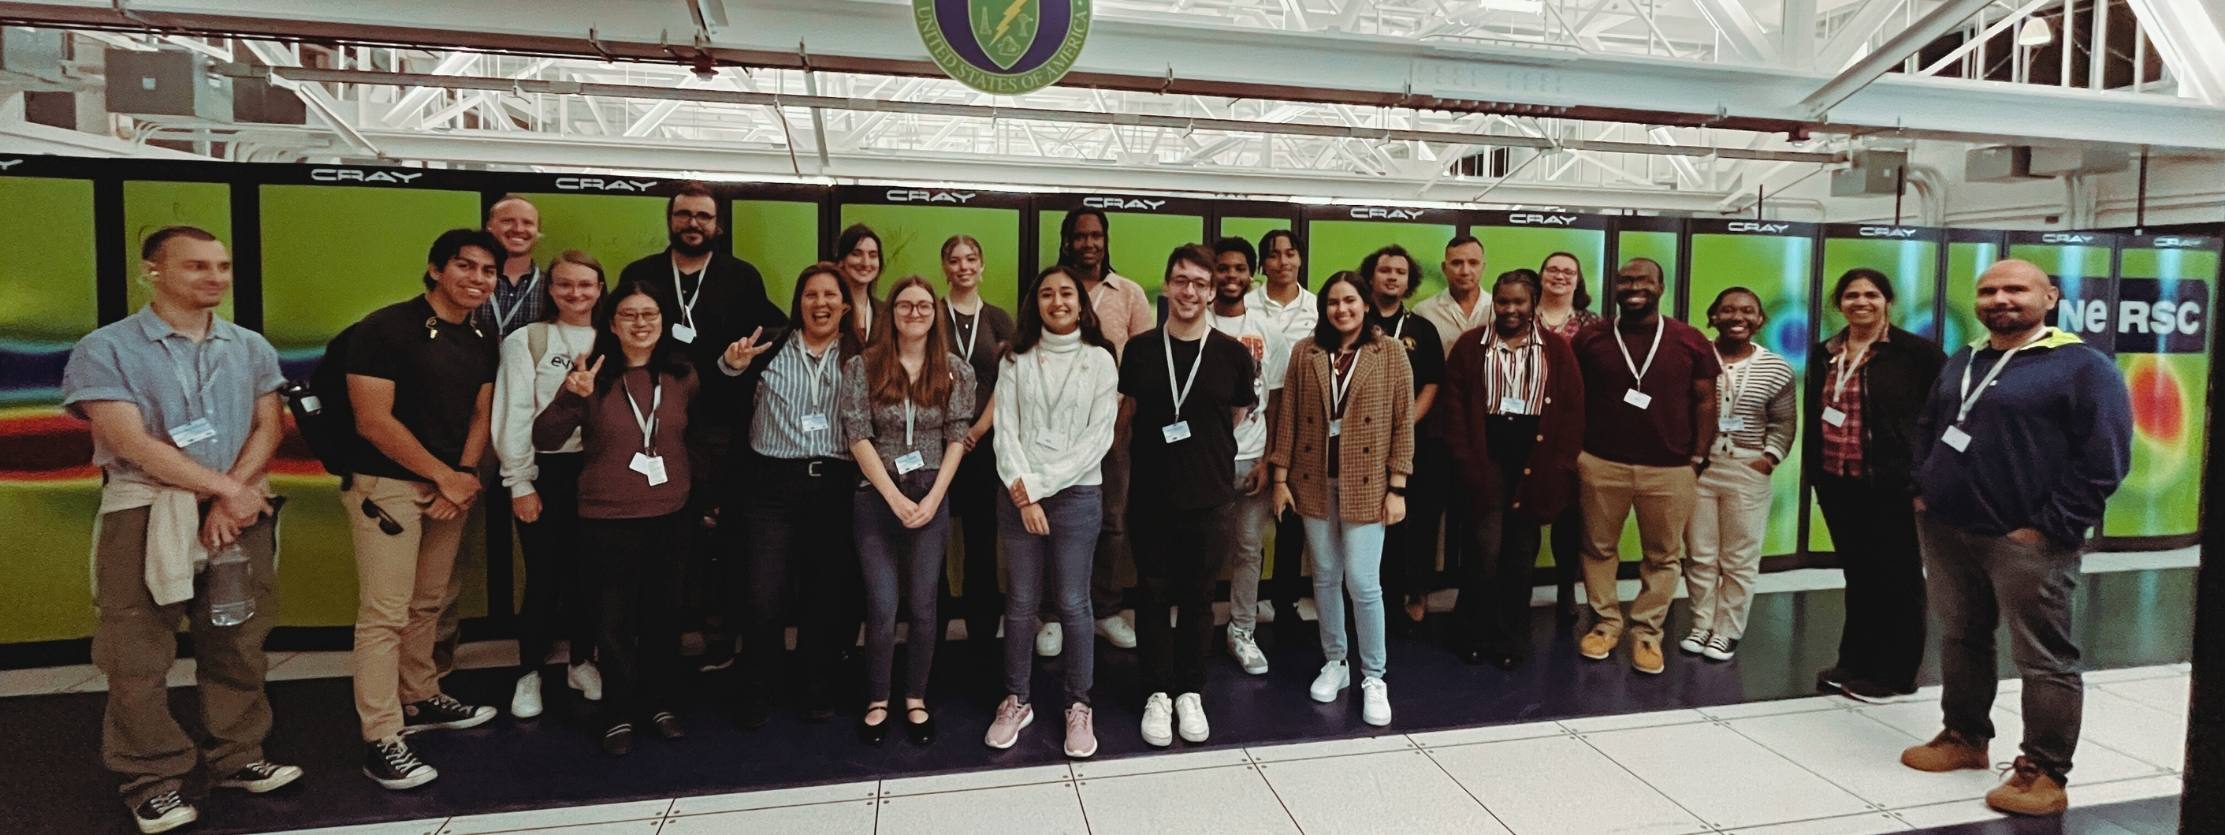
point(679, 243)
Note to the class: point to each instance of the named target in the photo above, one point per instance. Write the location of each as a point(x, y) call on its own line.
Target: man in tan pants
point(1649, 415)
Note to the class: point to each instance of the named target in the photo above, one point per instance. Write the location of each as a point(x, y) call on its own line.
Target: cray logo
point(358, 175)
point(2163, 243)
point(914, 195)
point(6, 164)
point(2064, 238)
point(1751, 226)
point(1541, 220)
point(1380, 213)
point(1885, 232)
point(1136, 204)
point(600, 184)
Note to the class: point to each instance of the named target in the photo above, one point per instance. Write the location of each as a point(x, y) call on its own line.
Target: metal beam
point(415, 99)
point(1740, 31)
point(1856, 34)
point(2188, 37)
point(312, 95)
point(1890, 54)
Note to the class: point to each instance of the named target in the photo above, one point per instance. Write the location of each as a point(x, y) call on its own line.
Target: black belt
point(809, 467)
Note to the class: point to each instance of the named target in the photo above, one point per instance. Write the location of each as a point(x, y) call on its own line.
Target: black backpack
point(322, 411)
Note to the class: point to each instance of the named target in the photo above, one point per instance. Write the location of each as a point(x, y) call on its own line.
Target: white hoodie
point(522, 388)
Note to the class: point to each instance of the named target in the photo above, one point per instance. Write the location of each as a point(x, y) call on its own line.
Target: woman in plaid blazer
point(1342, 450)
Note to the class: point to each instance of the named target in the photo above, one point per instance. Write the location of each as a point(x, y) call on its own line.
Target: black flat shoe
point(618, 740)
point(668, 725)
point(921, 732)
point(754, 714)
point(873, 734)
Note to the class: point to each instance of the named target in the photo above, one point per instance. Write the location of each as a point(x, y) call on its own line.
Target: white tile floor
point(1793, 767)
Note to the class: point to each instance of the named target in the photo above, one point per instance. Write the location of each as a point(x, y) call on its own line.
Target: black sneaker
point(1863, 690)
point(618, 740)
point(1831, 681)
point(755, 713)
point(391, 764)
point(164, 812)
point(260, 776)
point(668, 725)
point(443, 713)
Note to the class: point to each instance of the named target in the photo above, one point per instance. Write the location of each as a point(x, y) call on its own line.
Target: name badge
point(1516, 406)
point(910, 462)
point(192, 433)
point(1833, 416)
point(1176, 432)
point(1336, 427)
point(1955, 437)
point(1637, 398)
point(683, 333)
point(1735, 423)
point(814, 423)
point(650, 467)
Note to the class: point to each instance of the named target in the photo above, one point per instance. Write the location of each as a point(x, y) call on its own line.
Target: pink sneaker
point(1081, 732)
point(1011, 718)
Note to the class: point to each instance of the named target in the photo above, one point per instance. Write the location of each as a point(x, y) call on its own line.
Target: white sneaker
point(525, 701)
point(586, 679)
point(1189, 714)
point(1375, 701)
point(1158, 720)
point(1050, 640)
point(1694, 641)
point(1246, 651)
point(1335, 676)
point(1117, 632)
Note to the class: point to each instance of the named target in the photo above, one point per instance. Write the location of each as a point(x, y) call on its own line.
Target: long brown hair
point(884, 374)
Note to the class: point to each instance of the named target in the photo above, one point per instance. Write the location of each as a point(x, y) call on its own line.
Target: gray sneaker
point(1245, 650)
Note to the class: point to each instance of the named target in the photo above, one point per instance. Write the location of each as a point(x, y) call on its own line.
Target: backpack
point(322, 411)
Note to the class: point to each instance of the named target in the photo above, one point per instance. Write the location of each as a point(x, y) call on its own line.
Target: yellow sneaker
point(1949, 751)
point(1645, 654)
point(1597, 644)
point(2029, 791)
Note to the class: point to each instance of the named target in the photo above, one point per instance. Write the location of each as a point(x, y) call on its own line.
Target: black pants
point(802, 567)
point(1874, 531)
point(1290, 582)
point(1493, 611)
point(974, 493)
point(559, 596)
point(638, 570)
point(1179, 557)
point(1410, 547)
point(1568, 566)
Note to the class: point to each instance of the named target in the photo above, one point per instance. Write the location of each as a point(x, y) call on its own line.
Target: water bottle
point(231, 587)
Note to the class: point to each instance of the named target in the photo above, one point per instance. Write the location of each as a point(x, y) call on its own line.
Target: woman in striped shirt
point(1758, 416)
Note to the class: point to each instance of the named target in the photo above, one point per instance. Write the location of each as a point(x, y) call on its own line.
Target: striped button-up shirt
point(1517, 371)
point(798, 412)
point(513, 305)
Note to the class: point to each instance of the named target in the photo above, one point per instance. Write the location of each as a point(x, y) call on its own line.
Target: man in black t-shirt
point(1410, 547)
point(1187, 386)
point(421, 381)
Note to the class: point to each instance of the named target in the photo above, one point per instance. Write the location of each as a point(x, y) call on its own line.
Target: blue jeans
point(1351, 555)
point(895, 558)
point(1065, 556)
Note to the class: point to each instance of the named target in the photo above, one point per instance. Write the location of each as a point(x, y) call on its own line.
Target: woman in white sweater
point(544, 483)
point(1056, 402)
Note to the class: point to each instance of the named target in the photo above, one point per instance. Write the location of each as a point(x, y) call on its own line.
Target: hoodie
point(2049, 440)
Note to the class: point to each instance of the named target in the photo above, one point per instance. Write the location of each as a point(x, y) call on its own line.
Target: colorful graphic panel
point(2166, 292)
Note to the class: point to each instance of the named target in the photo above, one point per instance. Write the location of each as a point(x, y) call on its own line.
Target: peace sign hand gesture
point(746, 350)
point(582, 379)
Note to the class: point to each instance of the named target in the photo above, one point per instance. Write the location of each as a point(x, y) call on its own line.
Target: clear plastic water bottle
point(230, 587)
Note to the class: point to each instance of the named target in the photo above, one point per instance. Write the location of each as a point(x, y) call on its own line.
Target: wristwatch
point(1398, 490)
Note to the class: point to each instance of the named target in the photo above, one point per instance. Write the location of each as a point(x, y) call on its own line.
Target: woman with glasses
point(907, 406)
point(1564, 307)
point(978, 333)
point(858, 250)
point(544, 482)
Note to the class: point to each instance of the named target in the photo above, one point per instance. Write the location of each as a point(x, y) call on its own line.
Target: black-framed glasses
point(685, 216)
point(387, 524)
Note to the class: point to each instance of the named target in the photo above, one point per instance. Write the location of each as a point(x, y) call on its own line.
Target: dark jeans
point(1179, 557)
point(1113, 547)
point(802, 567)
point(1874, 531)
point(900, 563)
point(1493, 610)
point(1980, 582)
point(1410, 547)
point(1064, 558)
point(638, 570)
point(975, 497)
point(1289, 582)
point(559, 598)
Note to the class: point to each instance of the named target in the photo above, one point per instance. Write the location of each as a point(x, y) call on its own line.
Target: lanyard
point(1846, 363)
point(192, 385)
point(1340, 383)
point(1057, 393)
point(910, 412)
point(1503, 367)
point(1400, 332)
point(1638, 372)
point(502, 319)
point(648, 424)
point(687, 302)
point(817, 370)
point(1735, 381)
point(1182, 391)
point(1970, 400)
point(965, 348)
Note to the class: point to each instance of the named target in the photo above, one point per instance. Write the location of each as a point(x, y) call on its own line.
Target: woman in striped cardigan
point(1758, 414)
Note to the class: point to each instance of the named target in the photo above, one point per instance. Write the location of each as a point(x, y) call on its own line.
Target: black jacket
point(1896, 380)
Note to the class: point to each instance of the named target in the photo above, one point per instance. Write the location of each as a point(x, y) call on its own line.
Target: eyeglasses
point(637, 316)
point(694, 217)
point(387, 525)
point(1189, 282)
point(915, 308)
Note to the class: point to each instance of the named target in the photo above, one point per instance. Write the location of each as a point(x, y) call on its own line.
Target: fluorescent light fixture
point(2035, 32)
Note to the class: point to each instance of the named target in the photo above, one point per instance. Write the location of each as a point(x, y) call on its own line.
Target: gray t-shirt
point(175, 382)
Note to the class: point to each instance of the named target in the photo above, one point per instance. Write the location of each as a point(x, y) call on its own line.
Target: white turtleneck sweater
point(1055, 409)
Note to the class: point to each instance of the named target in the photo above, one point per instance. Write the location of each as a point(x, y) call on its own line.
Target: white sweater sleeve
point(1012, 455)
point(1087, 451)
point(513, 415)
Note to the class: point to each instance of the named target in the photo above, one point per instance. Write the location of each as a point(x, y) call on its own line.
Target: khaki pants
point(1724, 538)
point(401, 584)
point(135, 642)
point(1663, 497)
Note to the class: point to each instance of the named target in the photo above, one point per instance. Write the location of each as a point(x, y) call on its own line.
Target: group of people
point(827, 449)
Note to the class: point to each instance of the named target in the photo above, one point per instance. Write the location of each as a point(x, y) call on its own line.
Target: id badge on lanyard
point(1179, 430)
point(1635, 396)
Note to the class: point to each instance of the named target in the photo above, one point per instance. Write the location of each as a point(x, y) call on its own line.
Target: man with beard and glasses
point(2027, 432)
point(710, 299)
point(1649, 420)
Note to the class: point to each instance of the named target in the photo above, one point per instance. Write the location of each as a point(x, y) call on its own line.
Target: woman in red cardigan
point(1514, 417)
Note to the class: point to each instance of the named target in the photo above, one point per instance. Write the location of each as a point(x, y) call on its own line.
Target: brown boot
point(2029, 791)
point(1597, 644)
point(1949, 751)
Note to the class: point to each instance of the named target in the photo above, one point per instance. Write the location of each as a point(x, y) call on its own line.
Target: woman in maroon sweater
point(1514, 417)
point(630, 403)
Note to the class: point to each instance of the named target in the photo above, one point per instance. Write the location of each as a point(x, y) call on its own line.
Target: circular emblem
point(1003, 47)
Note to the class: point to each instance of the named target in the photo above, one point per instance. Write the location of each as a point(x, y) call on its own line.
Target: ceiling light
point(2035, 32)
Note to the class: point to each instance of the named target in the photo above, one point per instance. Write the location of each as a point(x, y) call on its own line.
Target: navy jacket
point(2050, 440)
